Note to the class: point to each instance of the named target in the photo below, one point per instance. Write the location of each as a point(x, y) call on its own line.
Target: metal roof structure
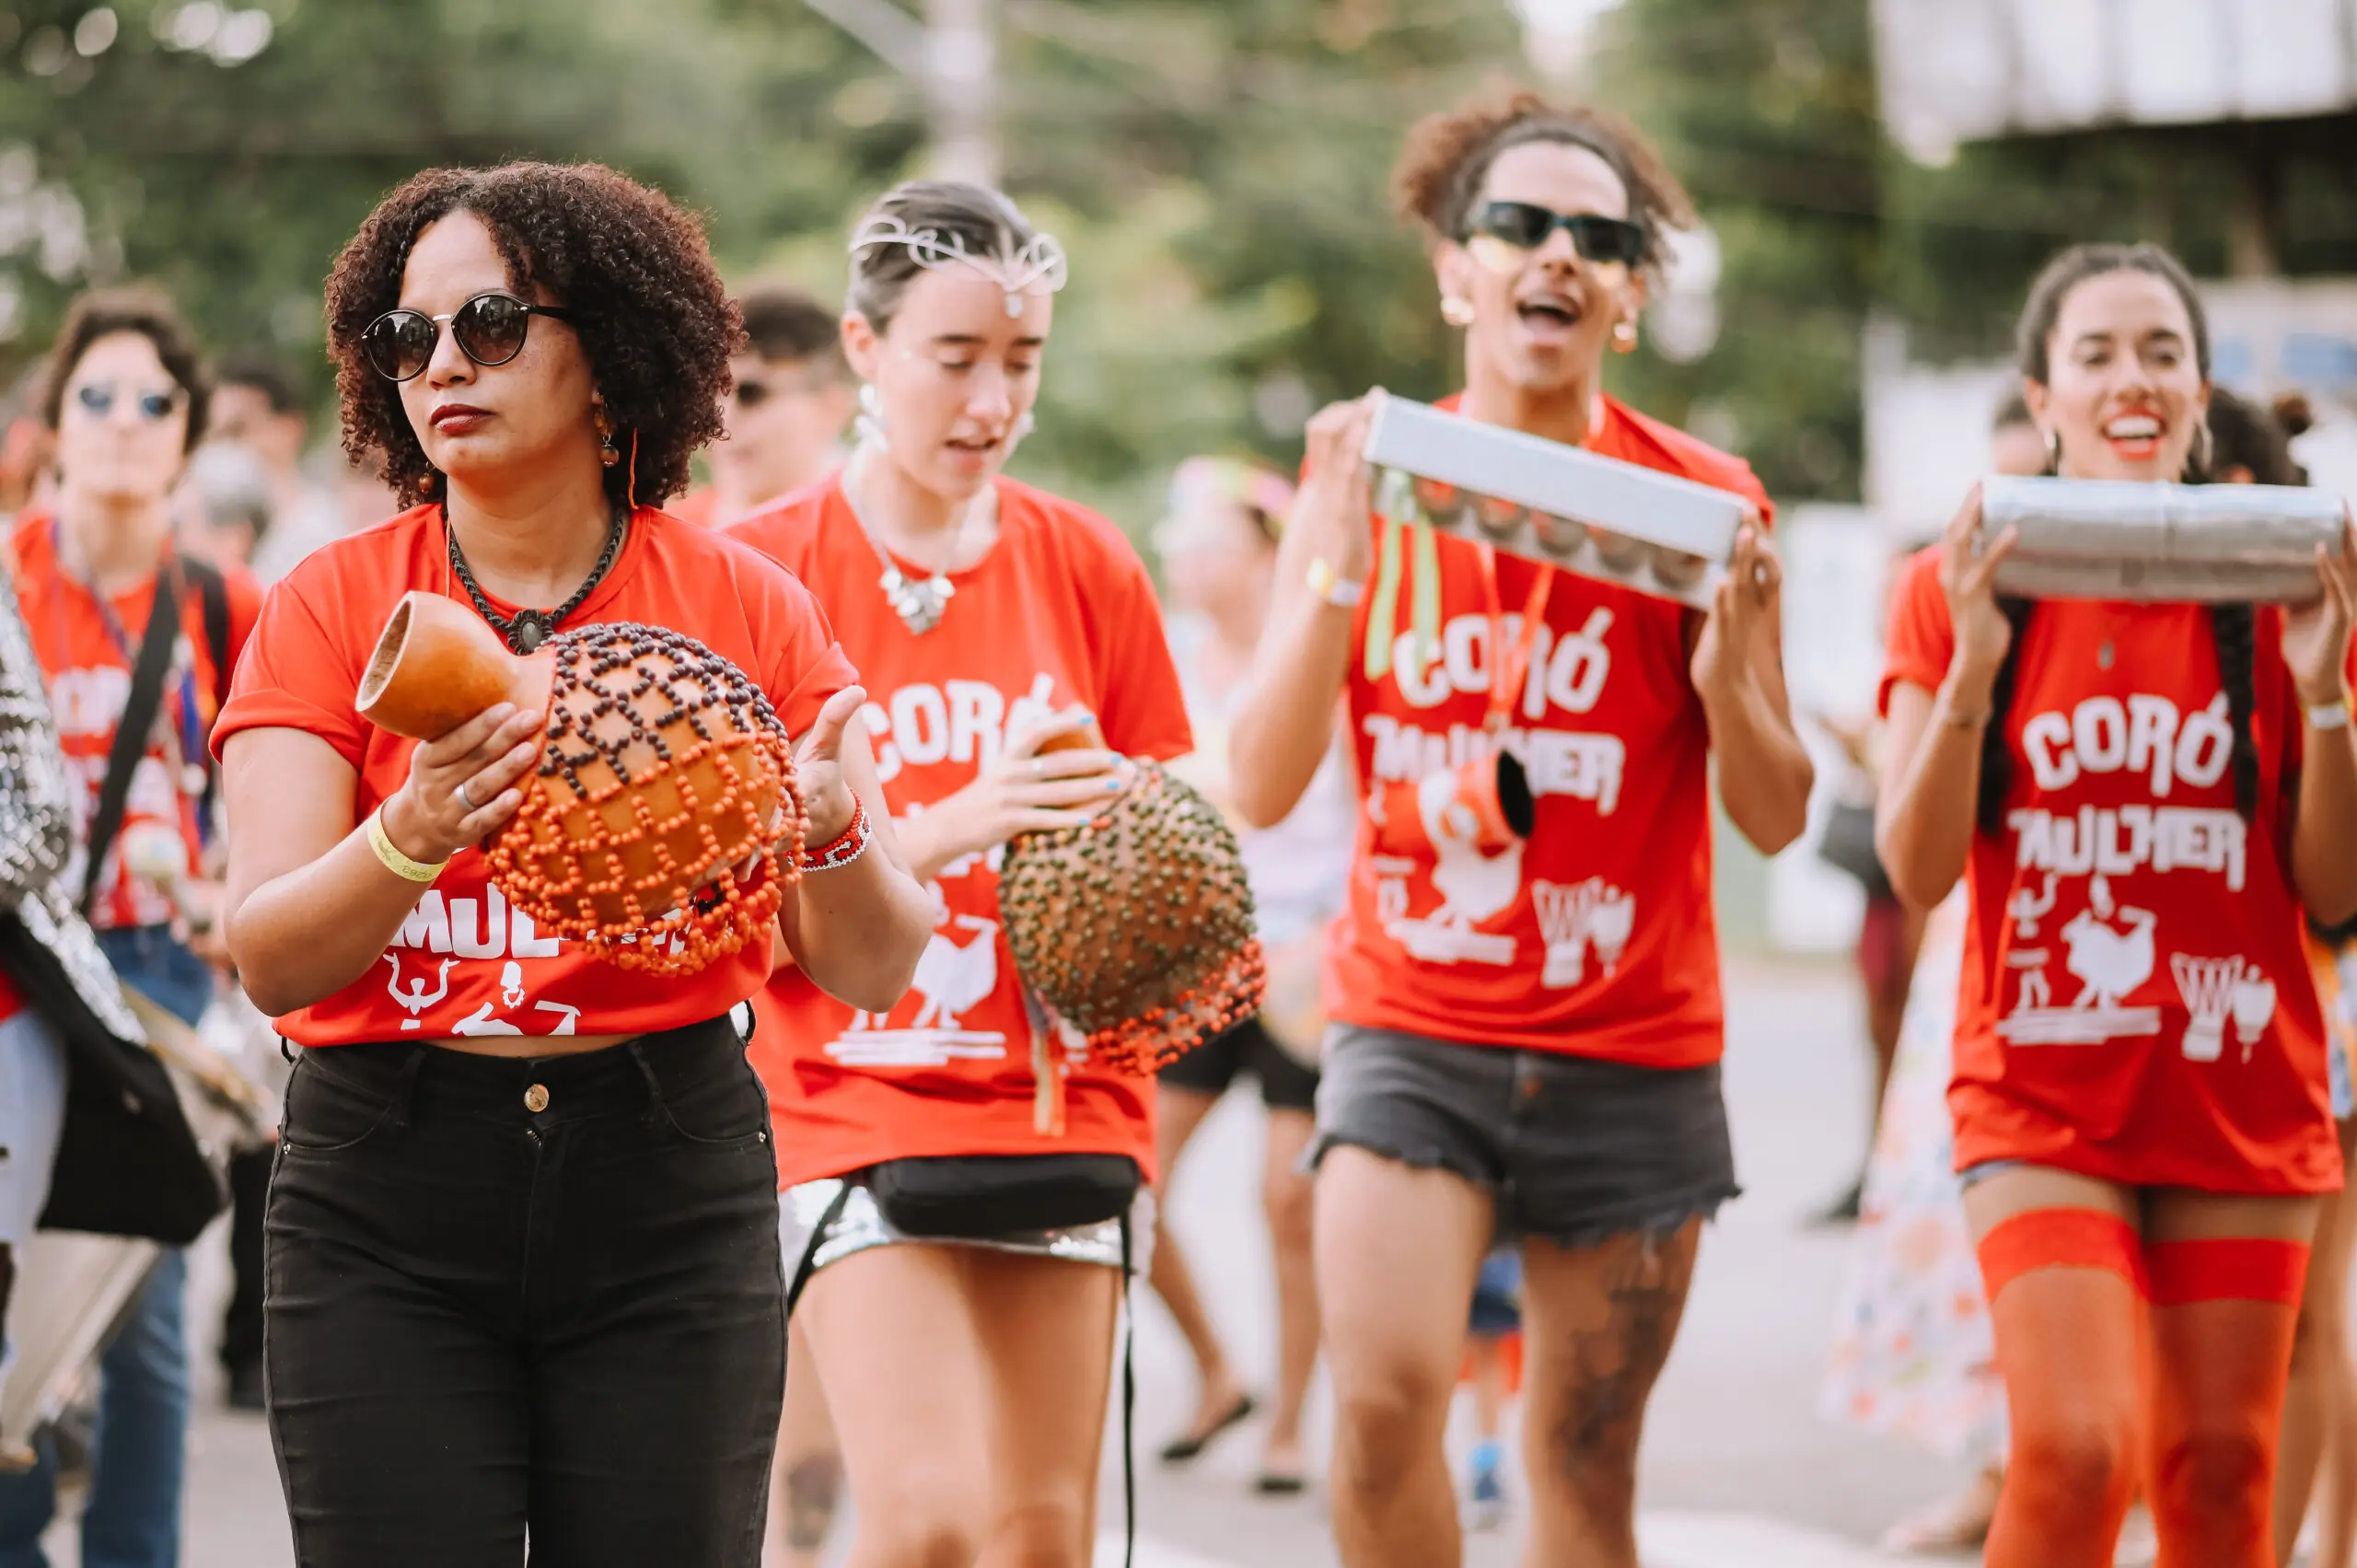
point(1956, 71)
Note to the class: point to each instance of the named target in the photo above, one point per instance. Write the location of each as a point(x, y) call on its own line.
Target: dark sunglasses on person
point(1526, 226)
point(99, 398)
point(488, 329)
point(754, 393)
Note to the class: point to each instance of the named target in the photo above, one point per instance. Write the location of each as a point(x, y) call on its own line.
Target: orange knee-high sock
point(2067, 1303)
point(2224, 1313)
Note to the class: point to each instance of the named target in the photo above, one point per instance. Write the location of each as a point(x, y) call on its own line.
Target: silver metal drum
point(2161, 543)
point(72, 1291)
point(1623, 523)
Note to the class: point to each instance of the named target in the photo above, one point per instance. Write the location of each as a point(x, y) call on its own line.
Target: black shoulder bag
point(128, 1163)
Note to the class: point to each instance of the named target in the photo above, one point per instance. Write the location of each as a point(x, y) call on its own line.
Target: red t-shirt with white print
point(1060, 612)
point(1593, 936)
point(465, 962)
point(87, 651)
point(2137, 1004)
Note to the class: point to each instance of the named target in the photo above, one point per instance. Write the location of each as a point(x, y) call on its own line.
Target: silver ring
point(464, 798)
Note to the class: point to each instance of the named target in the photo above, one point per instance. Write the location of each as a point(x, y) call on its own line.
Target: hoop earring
point(1456, 311)
point(1624, 336)
point(869, 425)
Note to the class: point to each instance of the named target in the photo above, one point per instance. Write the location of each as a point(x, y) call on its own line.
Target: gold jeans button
point(536, 1099)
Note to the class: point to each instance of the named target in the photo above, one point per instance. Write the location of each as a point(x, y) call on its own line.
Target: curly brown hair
point(1448, 154)
point(655, 322)
point(133, 307)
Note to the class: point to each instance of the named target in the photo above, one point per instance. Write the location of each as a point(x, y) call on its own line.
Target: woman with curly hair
point(2142, 801)
point(967, 1366)
point(522, 1247)
point(1484, 1080)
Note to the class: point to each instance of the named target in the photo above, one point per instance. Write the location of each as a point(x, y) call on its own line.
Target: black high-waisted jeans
point(510, 1297)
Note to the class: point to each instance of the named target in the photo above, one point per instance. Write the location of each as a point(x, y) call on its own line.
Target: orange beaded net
point(663, 829)
point(1137, 926)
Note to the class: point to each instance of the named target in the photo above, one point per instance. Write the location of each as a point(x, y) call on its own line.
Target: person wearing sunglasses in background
point(790, 400)
point(522, 1237)
point(122, 622)
point(1485, 1077)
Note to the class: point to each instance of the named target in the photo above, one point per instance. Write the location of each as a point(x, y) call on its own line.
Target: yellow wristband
point(395, 860)
point(1330, 587)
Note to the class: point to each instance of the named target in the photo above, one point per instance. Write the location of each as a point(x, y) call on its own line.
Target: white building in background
point(1956, 71)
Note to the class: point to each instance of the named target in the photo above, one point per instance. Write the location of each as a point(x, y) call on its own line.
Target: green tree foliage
point(1217, 169)
point(1765, 108)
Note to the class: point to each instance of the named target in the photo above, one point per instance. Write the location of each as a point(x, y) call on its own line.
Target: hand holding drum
point(662, 769)
point(1136, 924)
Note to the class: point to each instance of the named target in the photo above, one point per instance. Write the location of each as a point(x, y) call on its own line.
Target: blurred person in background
point(1890, 935)
point(103, 582)
point(1493, 1356)
point(791, 400)
point(223, 506)
point(1911, 1356)
point(2251, 444)
point(1219, 552)
point(1478, 1088)
point(256, 404)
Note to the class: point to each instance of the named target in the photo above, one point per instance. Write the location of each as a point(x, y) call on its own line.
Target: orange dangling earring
point(629, 480)
point(430, 486)
point(1624, 336)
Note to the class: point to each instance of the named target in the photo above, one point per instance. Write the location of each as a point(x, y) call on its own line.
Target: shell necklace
point(919, 602)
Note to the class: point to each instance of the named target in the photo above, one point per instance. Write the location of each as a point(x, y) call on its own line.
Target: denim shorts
point(1574, 1150)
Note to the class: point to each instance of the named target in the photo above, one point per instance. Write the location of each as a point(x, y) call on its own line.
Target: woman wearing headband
point(2143, 800)
point(522, 1247)
point(968, 1374)
point(1526, 1036)
point(1219, 551)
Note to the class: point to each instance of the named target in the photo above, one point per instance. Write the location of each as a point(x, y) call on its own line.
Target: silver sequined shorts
point(862, 1225)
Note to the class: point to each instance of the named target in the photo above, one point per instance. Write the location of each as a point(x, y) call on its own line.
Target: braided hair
point(2231, 626)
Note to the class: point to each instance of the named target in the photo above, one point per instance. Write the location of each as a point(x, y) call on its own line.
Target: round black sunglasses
point(488, 329)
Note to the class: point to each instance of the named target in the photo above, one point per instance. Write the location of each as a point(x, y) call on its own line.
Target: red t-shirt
point(466, 963)
point(1059, 613)
point(2136, 1002)
point(86, 652)
point(1595, 936)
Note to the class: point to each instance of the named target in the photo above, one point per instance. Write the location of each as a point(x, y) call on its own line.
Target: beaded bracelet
point(397, 863)
point(846, 847)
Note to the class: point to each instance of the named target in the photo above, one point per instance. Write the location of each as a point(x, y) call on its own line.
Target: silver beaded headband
point(1042, 262)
